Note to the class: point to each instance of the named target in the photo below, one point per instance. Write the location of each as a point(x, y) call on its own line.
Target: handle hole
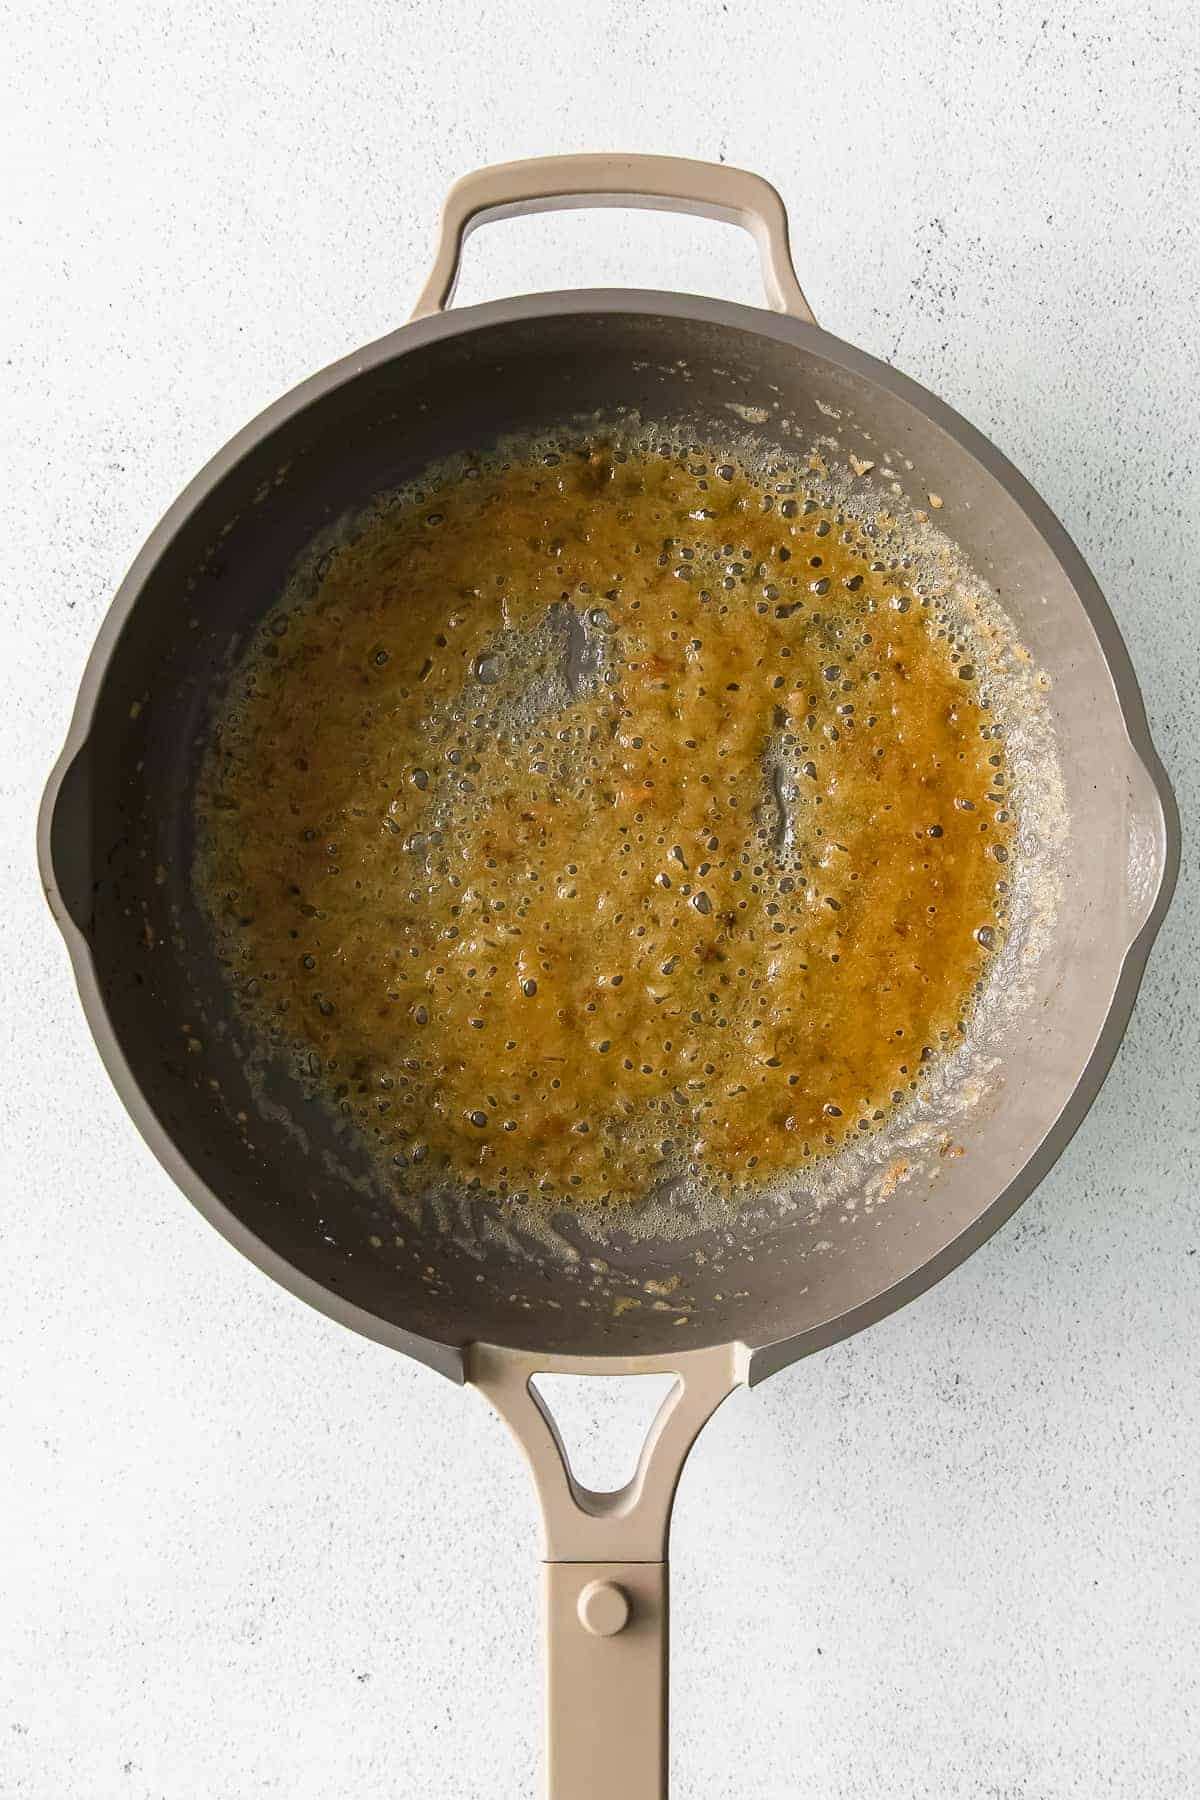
point(609, 247)
point(603, 1422)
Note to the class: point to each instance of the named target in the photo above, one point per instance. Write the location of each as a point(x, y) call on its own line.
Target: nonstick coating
point(116, 840)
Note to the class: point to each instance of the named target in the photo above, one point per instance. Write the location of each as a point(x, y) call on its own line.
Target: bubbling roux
point(604, 816)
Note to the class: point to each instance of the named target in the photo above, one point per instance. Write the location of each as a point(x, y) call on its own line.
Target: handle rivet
point(603, 1608)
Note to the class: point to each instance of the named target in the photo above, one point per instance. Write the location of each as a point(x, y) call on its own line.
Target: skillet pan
point(281, 1182)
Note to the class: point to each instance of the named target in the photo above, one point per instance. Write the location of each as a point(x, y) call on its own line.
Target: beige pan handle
point(606, 1567)
point(665, 183)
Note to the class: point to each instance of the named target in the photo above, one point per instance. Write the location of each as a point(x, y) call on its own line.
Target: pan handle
point(664, 183)
point(606, 1566)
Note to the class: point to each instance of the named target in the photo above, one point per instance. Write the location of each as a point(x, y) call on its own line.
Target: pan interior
point(300, 1183)
point(591, 862)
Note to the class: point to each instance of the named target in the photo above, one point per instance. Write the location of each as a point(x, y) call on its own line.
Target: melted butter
point(606, 817)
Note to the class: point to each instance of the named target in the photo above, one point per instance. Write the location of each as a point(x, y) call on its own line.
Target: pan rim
point(765, 1358)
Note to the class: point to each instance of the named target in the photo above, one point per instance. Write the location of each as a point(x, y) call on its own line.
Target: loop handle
point(663, 183)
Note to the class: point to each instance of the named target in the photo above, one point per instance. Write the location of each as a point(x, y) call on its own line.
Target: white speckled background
point(245, 1554)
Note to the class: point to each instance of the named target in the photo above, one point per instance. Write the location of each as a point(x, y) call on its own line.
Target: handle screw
point(603, 1608)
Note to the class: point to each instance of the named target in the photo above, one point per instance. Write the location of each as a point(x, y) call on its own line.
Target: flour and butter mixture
point(608, 815)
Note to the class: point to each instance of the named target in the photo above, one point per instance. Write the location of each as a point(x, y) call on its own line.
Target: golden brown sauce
point(606, 816)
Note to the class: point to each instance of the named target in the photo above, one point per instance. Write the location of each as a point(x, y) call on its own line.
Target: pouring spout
point(65, 840)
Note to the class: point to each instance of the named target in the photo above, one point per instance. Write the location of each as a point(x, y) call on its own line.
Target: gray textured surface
point(246, 1554)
